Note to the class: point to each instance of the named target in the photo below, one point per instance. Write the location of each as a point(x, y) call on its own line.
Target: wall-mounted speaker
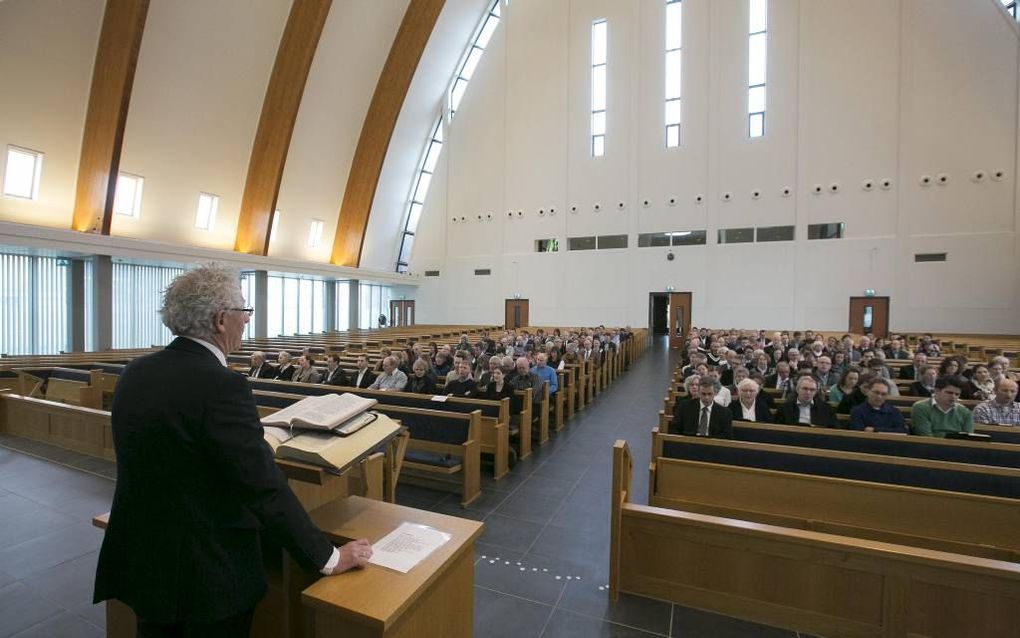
point(834, 187)
point(925, 180)
point(699, 199)
point(817, 189)
point(978, 176)
point(942, 179)
point(868, 185)
point(887, 183)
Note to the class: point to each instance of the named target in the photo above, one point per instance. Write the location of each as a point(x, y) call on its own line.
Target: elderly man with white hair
point(197, 485)
point(259, 368)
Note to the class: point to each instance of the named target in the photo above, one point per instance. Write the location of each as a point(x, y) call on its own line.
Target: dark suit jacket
point(266, 371)
point(366, 381)
point(337, 377)
point(761, 411)
point(908, 372)
point(286, 374)
point(687, 413)
point(917, 390)
point(821, 414)
point(196, 486)
point(770, 381)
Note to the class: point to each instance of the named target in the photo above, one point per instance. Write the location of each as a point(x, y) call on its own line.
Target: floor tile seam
point(518, 597)
point(616, 622)
point(546, 526)
point(36, 624)
point(41, 594)
point(555, 607)
point(48, 460)
point(47, 534)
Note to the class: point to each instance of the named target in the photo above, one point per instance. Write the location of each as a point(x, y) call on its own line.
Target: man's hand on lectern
point(353, 554)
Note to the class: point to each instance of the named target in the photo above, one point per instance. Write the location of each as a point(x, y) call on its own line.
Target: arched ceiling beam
point(377, 129)
point(276, 124)
point(112, 77)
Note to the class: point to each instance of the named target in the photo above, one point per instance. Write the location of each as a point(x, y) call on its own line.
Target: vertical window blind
point(34, 304)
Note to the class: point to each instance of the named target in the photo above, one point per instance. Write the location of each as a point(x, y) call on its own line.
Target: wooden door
point(869, 315)
point(516, 313)
point(679, 318)
point(401, 312)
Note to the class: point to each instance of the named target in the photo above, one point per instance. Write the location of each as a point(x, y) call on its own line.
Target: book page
point(320, 412)
point(275, 436)
point(406, 546)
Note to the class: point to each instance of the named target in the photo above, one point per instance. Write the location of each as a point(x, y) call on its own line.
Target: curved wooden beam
point(276, 124)
point(377, 129)
point(112, 77)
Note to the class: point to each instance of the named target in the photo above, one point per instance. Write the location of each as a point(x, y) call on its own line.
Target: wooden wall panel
point(112, 77)
point(390, 92)
point(276, 124)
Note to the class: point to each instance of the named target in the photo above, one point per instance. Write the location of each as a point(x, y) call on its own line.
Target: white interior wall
point(865, 90)
point(201, 78)
point(46, 66)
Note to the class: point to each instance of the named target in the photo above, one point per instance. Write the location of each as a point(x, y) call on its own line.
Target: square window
point(315, 233)
point(673, 112)
point(598, 145)
point(23, 173)
point(756, 99)
point(598, 123)
point(205, 216)
point(127, 199)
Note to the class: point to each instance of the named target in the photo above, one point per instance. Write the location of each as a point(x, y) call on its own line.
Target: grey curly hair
point(192, 300)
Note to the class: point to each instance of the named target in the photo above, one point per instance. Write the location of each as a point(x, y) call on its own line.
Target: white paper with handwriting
point(406, 546)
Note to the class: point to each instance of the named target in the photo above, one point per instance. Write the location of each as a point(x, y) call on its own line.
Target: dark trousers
point(238, 626)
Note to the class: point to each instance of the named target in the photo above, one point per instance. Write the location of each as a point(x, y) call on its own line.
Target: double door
point(401, 312)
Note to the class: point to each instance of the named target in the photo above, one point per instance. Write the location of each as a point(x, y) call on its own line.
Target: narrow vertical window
point(22, 173)
point(1010, 7)
point(275, 227)
point(469, 63)
point(315, 233)
point(757, 59)
point(127, 199)
point(205, 216)
point(674, 56)
point(599, 45)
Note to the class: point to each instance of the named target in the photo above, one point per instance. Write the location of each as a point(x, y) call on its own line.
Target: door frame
point(879, 320)
point(678, 300)
point(508, 313)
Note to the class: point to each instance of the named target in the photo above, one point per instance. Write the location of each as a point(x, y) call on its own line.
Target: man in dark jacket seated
point(703, 417)
point(807, 408)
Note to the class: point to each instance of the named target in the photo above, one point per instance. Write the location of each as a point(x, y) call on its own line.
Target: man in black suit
point(807, 409)
point(285, 369)
point(196, 481)
point(703, 416)
point(335, 375)
point(914, 369)
point(363, 376)
point(259, 368)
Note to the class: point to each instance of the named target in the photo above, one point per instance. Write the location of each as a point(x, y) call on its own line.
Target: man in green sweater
point(942, 414)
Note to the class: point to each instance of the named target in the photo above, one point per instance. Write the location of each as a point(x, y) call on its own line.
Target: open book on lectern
point(321, 412)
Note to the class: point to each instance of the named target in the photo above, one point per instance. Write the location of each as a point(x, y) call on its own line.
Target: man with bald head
point(391, 378)
point(1003, 409)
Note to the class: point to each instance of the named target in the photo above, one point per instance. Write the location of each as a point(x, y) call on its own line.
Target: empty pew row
point(810, 581)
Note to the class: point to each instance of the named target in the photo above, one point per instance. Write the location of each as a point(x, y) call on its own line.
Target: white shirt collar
point(222, 358)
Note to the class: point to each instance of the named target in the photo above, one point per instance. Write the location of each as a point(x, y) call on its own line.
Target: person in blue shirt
point(875, 415)
point(544, 372)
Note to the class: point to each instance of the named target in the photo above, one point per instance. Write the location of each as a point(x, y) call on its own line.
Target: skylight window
point(127, 199)
point(22, 173)
point(205, 216)
point(315, 233)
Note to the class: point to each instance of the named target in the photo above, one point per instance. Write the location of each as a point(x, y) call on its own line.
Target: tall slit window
point(1010, 6)
point(426, 169)
point(469, 63)
point(599, 45)
point(674, 41)
point(757, 62)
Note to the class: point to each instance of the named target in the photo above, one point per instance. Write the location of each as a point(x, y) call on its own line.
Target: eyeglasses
point(247, 311)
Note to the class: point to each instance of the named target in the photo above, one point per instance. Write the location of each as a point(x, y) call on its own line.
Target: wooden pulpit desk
point(278, 614)
point(435, 598)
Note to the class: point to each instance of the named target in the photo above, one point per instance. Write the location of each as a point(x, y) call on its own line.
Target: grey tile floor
point(542, 562)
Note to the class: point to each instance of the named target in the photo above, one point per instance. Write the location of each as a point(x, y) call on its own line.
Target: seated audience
point(703, 416)
point(722, 393)
point(895, 350)
point(494, 364)
point(545, 373)
point(807, 408)
point(839, 362)
point(781, 379)
point(443, 365)
point(1004, 409)
point(285, 369)
point(462, 385)
point(942, 414)
point(877, 365)
point(523, 378)
point(306, 372)
point(762, 364)
point(498, 388)
point(739, 374)
point(362, 377)
point(390, 378)
point(982, 388)
point(748, 407)
point(925, 384)
point(950, 366)
point(998, 367)
point(420, 381)
point(335, 375)
point(875, 415)
point(383, 353)
point(911, 371)
point(259, 368)
point(847, 384)
point(824, 375)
